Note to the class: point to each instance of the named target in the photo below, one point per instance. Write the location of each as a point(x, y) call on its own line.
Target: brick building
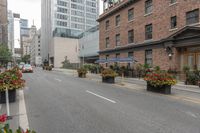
point(163, 33)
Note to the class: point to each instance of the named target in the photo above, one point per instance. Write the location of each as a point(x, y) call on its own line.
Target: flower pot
point(12, 96)
point(110, 80)
point(81, 75)
point(164, 89)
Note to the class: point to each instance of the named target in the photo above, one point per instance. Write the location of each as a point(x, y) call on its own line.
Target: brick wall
point(160, 19)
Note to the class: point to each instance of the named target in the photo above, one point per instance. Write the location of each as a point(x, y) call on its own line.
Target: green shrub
point(193, 78)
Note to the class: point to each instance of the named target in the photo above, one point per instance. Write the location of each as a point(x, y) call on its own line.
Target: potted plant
point(108, 76)
point(193, 78)
point(160, 82)
point(82, 72)
point(11, 80)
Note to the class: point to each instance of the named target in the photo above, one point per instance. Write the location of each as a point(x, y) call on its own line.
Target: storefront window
point(191, 61)
point(198, 61)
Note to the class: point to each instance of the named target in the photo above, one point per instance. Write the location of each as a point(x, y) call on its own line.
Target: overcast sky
point(28, 9)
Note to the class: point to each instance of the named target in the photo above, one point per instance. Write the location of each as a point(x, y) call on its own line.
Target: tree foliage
point(5, 54)
point(26, 58)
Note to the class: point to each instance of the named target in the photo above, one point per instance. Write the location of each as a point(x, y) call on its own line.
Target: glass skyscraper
point(67, 18)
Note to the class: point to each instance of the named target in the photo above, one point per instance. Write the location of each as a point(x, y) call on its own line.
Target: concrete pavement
point(61, 103)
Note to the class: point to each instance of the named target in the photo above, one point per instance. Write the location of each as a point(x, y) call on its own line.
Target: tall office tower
point(11, 31)
point(66, 19)
point(3, 22)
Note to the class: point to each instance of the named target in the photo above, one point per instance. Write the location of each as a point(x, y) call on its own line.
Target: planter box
point(110, 80)
point(80, 75)
point(12, 96)
point(165, 89)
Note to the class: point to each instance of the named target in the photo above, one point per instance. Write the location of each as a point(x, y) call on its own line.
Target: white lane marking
point(23, 119)
point(101, 96)
point(191, 114)
point(58, 80)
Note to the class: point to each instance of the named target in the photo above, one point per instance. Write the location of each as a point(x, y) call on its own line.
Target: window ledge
point(131, 43)
point(129, 21)
point(149, 40)
point(108, 48)
point(117, 26)
point(194, 24)
point(173, 29)
point(118, 46)
point(172, 4)
point(148, 14)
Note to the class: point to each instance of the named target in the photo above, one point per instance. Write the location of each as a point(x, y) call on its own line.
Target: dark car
point(27, 68)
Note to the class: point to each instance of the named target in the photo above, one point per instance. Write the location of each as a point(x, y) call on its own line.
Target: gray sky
point(31, 10)
point(28, 9)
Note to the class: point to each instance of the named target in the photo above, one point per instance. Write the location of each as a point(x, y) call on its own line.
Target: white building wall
point(65, 47)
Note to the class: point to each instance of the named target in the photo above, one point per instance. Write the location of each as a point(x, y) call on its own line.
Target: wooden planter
point(165, 89)
point(110, 80)
point(81, 75)
point(12, 96)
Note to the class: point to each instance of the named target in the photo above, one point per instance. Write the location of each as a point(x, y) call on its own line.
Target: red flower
point(3, 118)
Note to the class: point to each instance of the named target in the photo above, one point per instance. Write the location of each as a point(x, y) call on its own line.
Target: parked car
point(21, 65)
point(27, 68)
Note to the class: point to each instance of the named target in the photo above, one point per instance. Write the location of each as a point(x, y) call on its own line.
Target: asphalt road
point(58, 103)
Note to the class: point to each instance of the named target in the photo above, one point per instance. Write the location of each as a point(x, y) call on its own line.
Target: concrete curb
point(181, 87)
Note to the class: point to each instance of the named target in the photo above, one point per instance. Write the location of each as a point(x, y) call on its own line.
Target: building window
point(130, 54)
point(130, 14)
point(148, 6)
point(117, 20)
point(148, 32)
point(117, 55)
point(38, 49)
point(107, 24)
point(173, 22)
point(39, 54)
point(130, 36)
point(192, 16)
point(107, 42)
point(117, 40)
point(172, 1)
point(148, 57)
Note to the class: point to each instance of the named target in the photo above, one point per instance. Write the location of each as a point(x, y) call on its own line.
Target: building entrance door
point(193, 60)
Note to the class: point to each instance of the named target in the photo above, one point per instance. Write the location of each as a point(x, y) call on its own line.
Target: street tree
point(5, 55)
point(26, 58)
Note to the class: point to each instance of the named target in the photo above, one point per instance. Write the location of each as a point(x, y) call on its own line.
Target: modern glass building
point(66, 18)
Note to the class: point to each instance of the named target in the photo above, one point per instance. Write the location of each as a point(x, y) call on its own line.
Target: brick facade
point(160, 19)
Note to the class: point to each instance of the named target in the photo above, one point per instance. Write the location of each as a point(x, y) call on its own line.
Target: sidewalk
point(179, 86)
